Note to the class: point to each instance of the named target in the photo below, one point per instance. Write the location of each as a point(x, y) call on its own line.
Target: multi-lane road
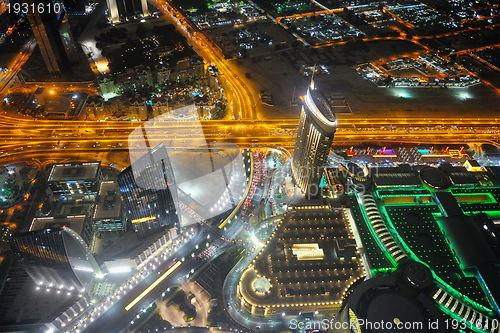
point(116, 313)
point(45, 137)
point(116, 318)
point(47, 140)
point(59, 142)
point(17, 63)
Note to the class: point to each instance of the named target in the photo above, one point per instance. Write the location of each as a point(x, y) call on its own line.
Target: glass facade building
point(149, 193)
point(53, 35)
point(317, 127)
point(57, 258)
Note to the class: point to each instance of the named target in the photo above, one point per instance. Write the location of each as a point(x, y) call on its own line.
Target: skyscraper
point(149, 193)
point(316, 130)
point(57, 258)
point(53, 35)
point(126, 9)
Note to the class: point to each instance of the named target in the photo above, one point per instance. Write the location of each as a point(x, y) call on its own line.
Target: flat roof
point(39, 90)
point(74, 171)
point(402, 179)
point(109, 203)
point(464, 177)
point(467, 241)
point(58, 104)
point(300, 280)
point(441, 236)
point(75, 223)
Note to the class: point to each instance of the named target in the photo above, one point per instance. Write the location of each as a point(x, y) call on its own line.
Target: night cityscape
point(282, 166)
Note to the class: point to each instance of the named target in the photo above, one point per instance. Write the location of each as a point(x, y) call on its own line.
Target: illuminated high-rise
point(149, 193)
point(127, 8)
point(53, 35)
point(57, 258)
point(317, 127)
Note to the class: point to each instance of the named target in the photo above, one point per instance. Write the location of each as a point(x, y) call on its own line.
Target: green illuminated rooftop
point(419, 220)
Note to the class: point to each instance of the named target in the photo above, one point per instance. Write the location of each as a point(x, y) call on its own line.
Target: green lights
point(444, 268)
point(377, 256)
point(422, 240)
point(382, 271)
point(412, 218)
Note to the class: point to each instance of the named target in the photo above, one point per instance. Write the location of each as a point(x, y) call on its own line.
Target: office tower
point(113, 11)
point(57, 258)
point(127, 9)
point(75, 180)
point(149, 193)
point(53, 35)
point(316, 130)
point(78, 223)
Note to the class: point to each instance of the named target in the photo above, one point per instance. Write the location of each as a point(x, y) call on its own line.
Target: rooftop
point(74, 172)
point(58, 104)
point(430, 225)
point(317, 103)
point(109, 203)
point(308, 260)
point(75, 223)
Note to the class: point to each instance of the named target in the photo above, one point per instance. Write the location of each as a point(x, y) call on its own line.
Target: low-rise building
point(95, 107)
point(162, 74)
point(159, 105)
point(107, 84)
point(137, 107)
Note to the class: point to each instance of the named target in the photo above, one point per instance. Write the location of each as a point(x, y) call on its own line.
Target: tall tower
point(126, 9)
point(149, 193)
point(57, 258)
point(113, 14)
point(53, 35)
point(316, 130)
